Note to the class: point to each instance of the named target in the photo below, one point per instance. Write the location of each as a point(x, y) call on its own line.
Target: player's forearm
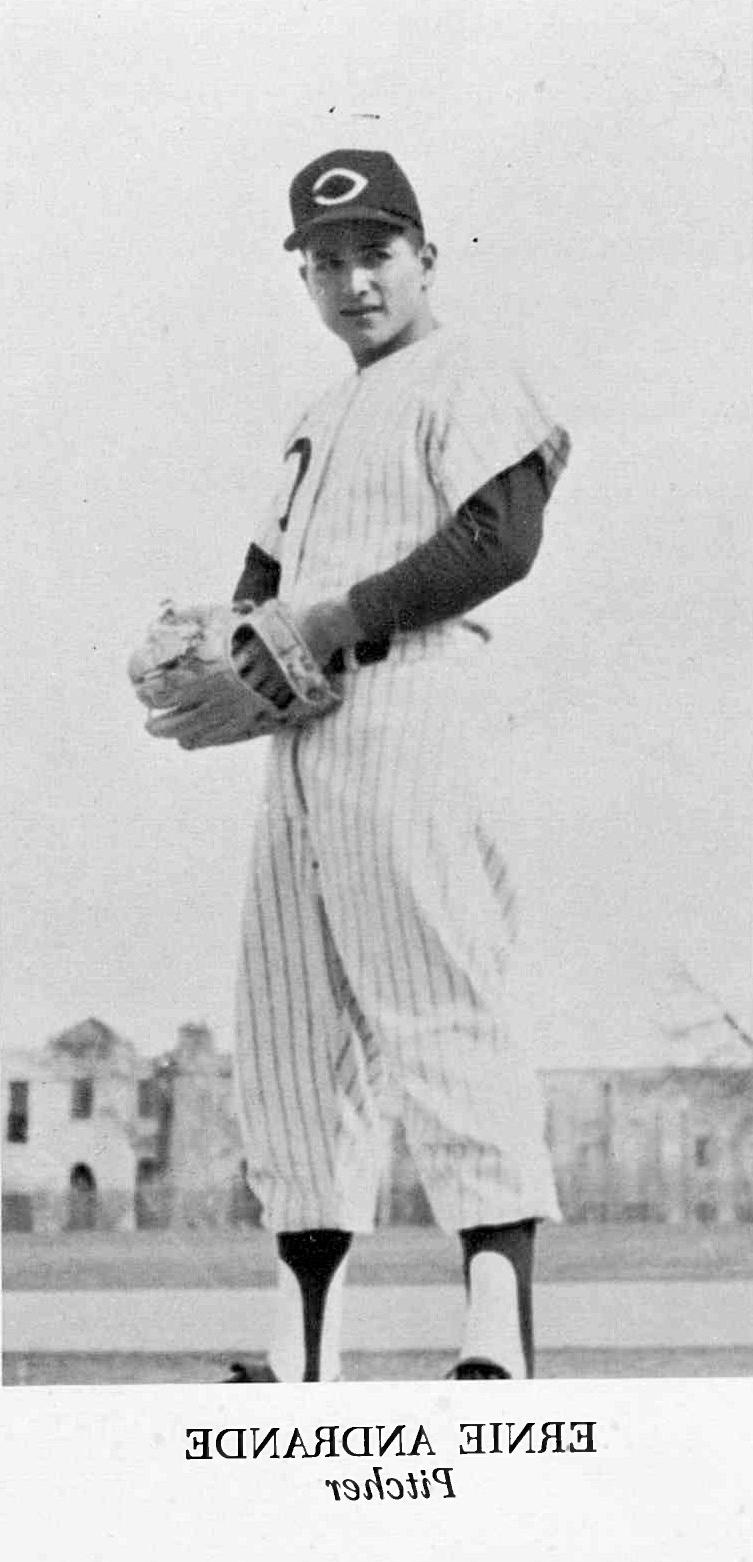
point(486, 547)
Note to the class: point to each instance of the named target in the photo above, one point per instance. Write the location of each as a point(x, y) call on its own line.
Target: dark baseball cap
point(350, 186)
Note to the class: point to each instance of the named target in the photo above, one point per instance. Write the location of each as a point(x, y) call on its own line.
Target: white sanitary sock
point(287, 1355)
point(492, 1326)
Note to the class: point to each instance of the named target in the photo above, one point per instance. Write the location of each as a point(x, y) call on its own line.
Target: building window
point(703, 1150)
point(82, 1098)
point(705, 1212)
point(147, 1098)
point(17, 1127)
point(17, 1212)
point(82, 1199)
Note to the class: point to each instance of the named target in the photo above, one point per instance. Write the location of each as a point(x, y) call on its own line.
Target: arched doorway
point(151, 1197)
point(244, 1207)
point(82, 1199)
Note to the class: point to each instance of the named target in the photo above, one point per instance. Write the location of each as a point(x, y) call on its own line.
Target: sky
point(585, 175)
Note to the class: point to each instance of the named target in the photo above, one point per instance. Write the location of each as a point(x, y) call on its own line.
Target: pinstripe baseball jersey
point(389, 455)
point(380, 915)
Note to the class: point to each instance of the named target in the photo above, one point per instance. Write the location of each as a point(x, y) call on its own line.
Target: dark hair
point(415, 235)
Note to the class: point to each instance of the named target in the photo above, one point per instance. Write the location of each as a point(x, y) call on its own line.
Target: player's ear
point(428, 258)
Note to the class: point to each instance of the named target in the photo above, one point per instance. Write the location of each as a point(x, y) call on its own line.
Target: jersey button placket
point(323, 475)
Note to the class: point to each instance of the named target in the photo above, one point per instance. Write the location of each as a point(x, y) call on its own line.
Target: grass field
point(400, 1255)
point(367, 1367)
point(92, 1261)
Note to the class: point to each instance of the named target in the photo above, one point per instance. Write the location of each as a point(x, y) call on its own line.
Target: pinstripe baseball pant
point(376, 939)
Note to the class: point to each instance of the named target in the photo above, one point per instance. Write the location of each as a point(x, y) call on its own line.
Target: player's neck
point(415, 331)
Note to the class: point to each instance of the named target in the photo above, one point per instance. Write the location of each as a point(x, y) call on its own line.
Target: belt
point(361, 655)
point(365, 652)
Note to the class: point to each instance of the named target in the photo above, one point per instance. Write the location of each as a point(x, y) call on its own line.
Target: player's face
point(370, 285)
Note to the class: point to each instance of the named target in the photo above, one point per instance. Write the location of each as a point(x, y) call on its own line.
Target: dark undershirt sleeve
point(260, 578)
point(490, 543)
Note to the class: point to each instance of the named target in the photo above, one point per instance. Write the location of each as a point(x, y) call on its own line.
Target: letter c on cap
point(354, 184)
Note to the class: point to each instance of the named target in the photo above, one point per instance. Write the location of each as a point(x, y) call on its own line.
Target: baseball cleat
point(253, 1372)
point(477, 1367)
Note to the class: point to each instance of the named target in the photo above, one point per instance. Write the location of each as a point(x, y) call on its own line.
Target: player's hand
point(329, 626)
point(253, 660)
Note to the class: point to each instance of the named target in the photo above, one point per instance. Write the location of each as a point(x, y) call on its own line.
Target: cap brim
point(298, 238)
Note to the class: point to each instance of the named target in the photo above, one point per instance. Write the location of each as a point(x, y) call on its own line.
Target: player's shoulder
point(485, 389)
point(433, 368)
point(468, 356)
point(474, 367)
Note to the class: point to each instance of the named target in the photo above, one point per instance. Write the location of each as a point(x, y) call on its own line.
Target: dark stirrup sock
point(515, 1242)
point(314, 1258)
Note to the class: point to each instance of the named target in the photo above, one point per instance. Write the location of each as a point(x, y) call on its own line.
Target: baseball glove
point(223, 674)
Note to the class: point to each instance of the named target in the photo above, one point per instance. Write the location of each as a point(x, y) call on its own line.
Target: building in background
point(96, 1135)
point(81, 1117)
point(673, 1144)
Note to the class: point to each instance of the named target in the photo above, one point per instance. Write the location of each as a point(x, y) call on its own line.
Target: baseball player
point(380, 914)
